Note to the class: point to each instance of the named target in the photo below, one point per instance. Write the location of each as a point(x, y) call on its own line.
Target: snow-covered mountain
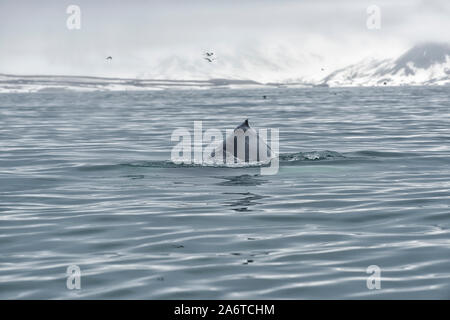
point(424, 64)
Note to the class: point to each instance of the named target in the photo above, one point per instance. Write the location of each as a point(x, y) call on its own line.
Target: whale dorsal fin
point(244, 126)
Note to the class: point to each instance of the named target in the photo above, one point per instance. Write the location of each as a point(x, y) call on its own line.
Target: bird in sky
point(109, 58)
point(208, 56)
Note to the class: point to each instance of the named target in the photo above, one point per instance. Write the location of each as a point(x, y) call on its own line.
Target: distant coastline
point(423, 65)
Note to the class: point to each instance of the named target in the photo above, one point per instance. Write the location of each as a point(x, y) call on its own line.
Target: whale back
point(245, 145)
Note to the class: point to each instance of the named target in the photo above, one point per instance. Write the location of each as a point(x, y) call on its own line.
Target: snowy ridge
point(425, 64)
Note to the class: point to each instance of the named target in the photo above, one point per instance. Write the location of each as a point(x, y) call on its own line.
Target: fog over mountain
point(285, 41)
point(424, 64)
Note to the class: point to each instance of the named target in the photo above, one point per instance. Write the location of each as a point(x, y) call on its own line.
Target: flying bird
point(208, 56)
point(109, 58)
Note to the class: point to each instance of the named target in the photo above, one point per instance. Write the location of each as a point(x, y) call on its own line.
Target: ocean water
point(364, 179)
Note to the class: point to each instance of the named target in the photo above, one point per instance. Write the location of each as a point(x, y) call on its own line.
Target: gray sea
point(86, 179)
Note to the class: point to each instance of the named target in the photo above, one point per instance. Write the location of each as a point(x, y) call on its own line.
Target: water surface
point(364, 179)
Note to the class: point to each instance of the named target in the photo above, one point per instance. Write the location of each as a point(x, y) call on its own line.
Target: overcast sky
point(257, 39)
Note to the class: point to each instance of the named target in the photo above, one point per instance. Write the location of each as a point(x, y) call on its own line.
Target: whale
point(244, 144)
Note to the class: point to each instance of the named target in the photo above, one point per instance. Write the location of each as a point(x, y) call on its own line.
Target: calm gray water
point(364, 179)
